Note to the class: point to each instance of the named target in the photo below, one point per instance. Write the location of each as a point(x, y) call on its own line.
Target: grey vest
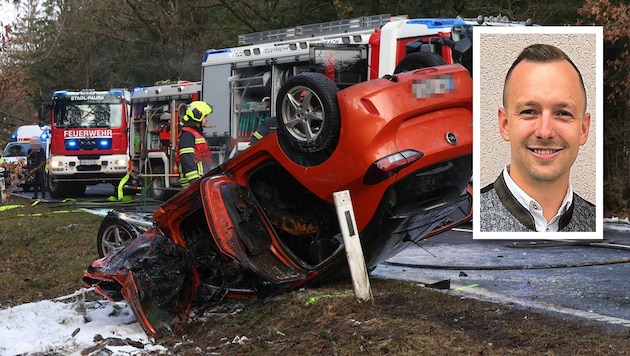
point(500, 211)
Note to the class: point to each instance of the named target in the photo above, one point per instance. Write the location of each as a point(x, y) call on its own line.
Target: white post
point(3, 189)
point(352, 243)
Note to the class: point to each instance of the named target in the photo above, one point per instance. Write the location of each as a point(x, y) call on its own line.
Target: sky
point(7, 13)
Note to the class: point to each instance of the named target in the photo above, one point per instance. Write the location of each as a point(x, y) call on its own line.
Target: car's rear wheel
point(418, 60)
point(114, 233)
point(308, 112)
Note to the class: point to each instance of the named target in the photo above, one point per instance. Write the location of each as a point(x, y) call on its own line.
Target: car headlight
point(55, 163)
point(122, 162)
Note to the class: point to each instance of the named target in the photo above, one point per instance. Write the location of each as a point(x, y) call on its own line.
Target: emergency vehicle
point(89, 139)
point(15, 153)
point(242, 83)
point(156, 113)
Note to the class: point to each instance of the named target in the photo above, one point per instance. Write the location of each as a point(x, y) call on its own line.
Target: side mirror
point(44, 114)
point(462, 46)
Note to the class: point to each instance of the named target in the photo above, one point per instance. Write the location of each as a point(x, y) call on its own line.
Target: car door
point(242, 232)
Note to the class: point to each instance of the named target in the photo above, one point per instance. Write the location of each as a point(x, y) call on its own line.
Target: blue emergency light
point(104, 143)
point(139, 90)
point(72, 144)
point(45, 135)
point(437, 22)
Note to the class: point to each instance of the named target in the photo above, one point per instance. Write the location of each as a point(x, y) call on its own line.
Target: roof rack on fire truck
point(319, 29)
point(499, 20)
point(165, 90)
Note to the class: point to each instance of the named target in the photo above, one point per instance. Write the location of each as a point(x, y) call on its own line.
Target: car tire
point(56, 188)
point(115, 233)
point(308, 112)
point(158, 185)
point(418, 60)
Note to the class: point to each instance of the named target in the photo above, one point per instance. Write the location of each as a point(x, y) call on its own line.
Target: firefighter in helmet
point(193, 155)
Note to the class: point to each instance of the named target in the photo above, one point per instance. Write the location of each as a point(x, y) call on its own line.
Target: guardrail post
point(354, 252)
point(3, 190)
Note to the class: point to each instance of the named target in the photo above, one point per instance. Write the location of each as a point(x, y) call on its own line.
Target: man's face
point(544, 120)
point(204, 121)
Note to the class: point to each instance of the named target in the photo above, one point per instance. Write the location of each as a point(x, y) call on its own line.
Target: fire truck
point(156, 113)
point(242, 83)
point(89, 139)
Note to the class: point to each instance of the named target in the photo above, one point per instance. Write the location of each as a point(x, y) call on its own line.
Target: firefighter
point(36, 160)
point(193, 155)
point(268, 125)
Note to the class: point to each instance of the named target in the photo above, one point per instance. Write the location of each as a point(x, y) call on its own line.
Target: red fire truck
point(156, 114)
point(242, 83)
point(89, 139)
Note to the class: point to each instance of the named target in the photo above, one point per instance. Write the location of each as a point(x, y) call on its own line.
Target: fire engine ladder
point(319, 29)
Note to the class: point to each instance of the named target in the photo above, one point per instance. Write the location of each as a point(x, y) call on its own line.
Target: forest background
point(74, 44)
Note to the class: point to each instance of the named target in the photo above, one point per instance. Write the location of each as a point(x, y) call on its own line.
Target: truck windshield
point(88, 114)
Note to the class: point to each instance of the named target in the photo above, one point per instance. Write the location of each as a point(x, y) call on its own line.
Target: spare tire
point(418, 60)
point(308, 112)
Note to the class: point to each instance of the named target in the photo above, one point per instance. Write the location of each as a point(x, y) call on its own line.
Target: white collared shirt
point(534, 207)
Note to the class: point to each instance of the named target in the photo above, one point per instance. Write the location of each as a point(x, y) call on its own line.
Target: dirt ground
point(403, 319)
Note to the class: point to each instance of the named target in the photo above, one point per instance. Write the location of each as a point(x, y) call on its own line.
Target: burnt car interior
point(306, 225)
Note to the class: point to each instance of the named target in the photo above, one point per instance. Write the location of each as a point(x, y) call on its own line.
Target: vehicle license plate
point(88, 162)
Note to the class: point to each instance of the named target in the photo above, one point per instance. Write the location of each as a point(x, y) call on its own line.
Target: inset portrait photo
point(538, 145)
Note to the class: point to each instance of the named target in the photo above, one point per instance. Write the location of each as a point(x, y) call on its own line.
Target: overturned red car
point(265, 221)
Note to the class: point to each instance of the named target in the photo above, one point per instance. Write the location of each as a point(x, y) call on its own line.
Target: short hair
point(542, 53)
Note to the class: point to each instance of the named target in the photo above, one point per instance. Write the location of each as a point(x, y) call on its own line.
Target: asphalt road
point(572, 279)
point(99, 196)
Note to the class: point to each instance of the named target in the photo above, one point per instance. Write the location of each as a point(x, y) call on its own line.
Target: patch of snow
point(69, 327)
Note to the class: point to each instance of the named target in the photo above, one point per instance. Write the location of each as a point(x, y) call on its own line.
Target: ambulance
point(14, 155)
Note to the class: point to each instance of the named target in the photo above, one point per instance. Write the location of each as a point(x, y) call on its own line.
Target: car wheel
point(308, 112)
point(158, 185)
point(418, 60)
point(115, 233)
point(56, 188)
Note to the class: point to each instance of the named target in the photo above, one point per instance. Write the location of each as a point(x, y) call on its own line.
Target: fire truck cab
point(89, 142)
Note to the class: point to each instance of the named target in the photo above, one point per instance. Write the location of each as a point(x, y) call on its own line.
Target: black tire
point(157, 189)
point(418, 60)
point(115, 233)
point(56, 188)
point(308, 112)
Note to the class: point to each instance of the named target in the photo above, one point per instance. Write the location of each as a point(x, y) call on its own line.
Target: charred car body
point(265, 220)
